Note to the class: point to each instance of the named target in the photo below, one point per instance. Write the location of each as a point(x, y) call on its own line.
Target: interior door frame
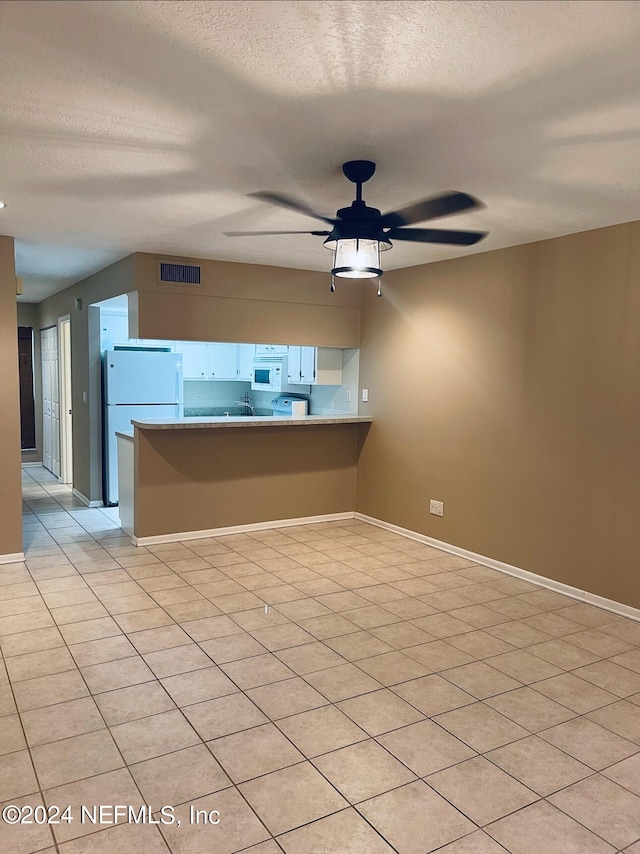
point(66, 412)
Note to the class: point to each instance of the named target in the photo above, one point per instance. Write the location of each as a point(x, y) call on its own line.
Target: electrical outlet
point(365, 395)
point(436, 507)
point(348, 395)
point(332, 406)
point(198, 398)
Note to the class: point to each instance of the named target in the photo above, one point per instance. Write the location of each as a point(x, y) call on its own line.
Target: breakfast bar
point(194, 477)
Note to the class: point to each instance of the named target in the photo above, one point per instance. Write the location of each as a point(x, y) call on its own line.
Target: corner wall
point(11, 488)
point(85, 365)
point(507, 384)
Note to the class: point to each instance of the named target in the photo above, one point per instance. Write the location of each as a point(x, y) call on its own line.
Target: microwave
point(272, 375)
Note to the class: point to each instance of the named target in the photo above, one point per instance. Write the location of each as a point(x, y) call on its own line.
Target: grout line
point(263, 543)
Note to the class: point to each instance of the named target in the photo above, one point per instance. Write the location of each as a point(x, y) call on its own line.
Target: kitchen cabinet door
point(246, 353)
point(194, 359)
point(222, 361)
point(308, 365)
point(271, 349)
point(294, 365)
point(302, 365)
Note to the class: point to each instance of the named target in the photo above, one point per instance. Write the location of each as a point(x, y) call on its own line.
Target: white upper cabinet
point(306, 365)
point(315, 365)
point(222, 361)
point(204, 361)
point(294, 364)
point(271, 349)
point(194, 359)
point(246, 353)
point(308, 358)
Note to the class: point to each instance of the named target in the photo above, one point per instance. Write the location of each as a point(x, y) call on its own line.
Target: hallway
point(328, 689)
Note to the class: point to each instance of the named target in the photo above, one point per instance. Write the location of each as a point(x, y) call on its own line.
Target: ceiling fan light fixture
point(359, 233)
point(356, 258)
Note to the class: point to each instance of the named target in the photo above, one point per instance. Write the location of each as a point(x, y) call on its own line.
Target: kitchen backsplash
point(324, 397)
point(208, 397)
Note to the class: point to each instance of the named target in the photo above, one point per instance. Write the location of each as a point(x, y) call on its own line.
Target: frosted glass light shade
point(355, 258)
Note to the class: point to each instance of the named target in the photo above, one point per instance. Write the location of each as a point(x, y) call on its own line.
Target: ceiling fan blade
point(436, 235)
point(285, 201)
point(258, 233)
point(448, 203)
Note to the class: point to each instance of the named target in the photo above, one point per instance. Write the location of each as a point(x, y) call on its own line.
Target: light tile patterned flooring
point(394, 698)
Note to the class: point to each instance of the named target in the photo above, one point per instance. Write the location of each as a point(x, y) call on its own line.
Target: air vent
point(178, 274)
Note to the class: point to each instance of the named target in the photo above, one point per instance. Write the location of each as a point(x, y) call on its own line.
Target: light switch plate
point(365, 395)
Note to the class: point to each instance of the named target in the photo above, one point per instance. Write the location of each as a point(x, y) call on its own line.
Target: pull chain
point(333, 284)
point(379, 288)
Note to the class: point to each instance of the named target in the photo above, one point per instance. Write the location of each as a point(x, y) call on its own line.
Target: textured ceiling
point(143, 125)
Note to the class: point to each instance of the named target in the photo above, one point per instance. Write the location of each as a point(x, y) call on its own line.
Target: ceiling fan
point(359, 233)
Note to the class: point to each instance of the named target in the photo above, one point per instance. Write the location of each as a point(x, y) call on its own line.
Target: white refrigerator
point(137, 385)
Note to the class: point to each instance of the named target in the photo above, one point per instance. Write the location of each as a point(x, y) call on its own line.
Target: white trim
point(16, 557)
point(540, 580)
point(32, 464)
point(64, 400)
point(85, 500)
point(240, 529)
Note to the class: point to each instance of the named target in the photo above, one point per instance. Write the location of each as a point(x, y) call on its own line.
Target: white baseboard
point(85, 500)
point(16, 557)
point(540, 580)
point(240, 529)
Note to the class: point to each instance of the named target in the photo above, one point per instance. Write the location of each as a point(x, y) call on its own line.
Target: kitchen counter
point(195, 477)
point(216, 421)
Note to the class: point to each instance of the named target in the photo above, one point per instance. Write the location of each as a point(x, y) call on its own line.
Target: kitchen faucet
point(246, 398)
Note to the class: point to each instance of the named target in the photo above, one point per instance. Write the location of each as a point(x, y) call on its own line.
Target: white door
point(66, 417)
point(50, 400)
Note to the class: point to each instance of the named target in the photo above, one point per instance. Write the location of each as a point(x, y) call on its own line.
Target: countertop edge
point(122, 435)
point(217, 421)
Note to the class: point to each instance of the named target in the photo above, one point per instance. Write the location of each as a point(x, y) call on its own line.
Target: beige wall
point(29, 315)
point(247, 303)
point(507, 384)
point(10, 490)
point(193, 480)
point(85, 365)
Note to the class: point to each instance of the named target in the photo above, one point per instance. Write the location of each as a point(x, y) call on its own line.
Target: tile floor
point(393, 698)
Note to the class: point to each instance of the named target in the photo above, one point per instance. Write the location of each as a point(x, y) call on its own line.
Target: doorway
point(27, 402)
point(66, 414)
